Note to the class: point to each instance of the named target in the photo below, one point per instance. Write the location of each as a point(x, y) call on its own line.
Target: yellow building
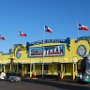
point(56, 57)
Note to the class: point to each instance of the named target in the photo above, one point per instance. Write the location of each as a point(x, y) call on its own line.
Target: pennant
point(82, 27)
point(47, 29)
point(23, 34)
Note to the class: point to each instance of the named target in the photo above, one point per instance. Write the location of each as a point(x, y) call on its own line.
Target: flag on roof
point(83, 27)
point(2, 38)
point(22, 34)
point(47, 29)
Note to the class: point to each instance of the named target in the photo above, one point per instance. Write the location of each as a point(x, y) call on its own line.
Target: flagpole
point(2, 38)
point(77, 35)
point(19, 38)
point(49, 30)
point(18, 45)
point(77, 31)
point(43, 53)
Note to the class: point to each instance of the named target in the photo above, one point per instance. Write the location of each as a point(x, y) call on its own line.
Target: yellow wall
point(69, 57)
point(53, 69)
point(69, 54)
point(24, 55)
point(5, 58)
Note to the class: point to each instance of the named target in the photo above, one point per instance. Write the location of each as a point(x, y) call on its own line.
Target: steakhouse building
point(52, 57)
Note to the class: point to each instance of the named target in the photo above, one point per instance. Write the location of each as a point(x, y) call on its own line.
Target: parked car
point(26, 76)
point(2, 75)
point(13, 77)
point(84, 69)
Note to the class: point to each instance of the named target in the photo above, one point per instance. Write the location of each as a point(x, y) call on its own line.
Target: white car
point(2, 75)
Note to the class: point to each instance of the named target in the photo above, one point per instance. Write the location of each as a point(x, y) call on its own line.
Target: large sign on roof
point(55, 50)
point(67, 41)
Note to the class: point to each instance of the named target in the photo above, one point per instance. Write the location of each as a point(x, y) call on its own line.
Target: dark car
point(13, 77)
point(84, 69)
point(26, 76)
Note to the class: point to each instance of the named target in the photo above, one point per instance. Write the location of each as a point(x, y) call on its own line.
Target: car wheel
point(16, 80)
point(12, 80)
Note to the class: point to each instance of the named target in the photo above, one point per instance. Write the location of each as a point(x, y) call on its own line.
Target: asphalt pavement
point(42, 85)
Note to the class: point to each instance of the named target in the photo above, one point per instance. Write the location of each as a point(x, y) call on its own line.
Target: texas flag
point(2, 38)
point(83, 27)
point(22, 34)
point(47, 29)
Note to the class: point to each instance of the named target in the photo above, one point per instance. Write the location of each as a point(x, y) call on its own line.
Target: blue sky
point(30, 16)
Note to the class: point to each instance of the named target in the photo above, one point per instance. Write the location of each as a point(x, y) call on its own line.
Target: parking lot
point(5, 85)
point(41, 85)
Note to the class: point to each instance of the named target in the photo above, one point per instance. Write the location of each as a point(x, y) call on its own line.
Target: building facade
point(56, 57)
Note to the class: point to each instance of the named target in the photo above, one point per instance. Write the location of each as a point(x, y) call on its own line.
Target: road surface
point(41, 85)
